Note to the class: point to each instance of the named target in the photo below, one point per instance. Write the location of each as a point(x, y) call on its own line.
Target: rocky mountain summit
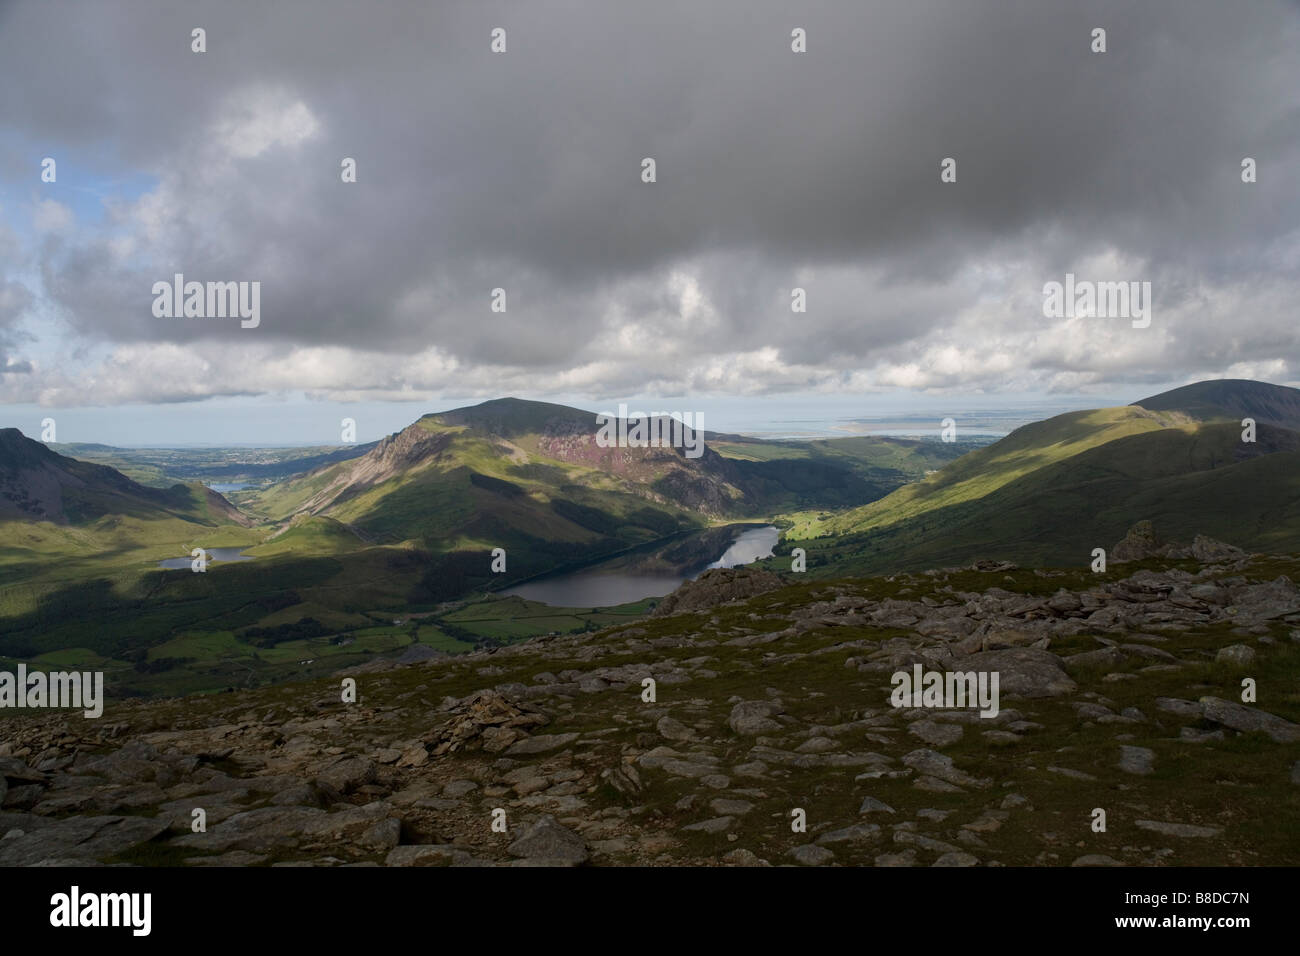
point(1161, 693)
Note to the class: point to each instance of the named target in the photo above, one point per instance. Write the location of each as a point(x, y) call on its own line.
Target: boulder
point(1022, 671)
point(549, 842)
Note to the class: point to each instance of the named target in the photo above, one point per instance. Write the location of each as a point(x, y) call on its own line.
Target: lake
point(591, 587)
point(214, 554)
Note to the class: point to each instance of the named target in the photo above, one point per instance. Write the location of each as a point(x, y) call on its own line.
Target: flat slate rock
point(82, 839)
point(811, 855)
point(1023, 671)
point(540, 744)
point(1246, 719)
point(1178, 829)
point(550, 842)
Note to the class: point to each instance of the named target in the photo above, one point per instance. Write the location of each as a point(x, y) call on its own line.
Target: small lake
point(749, 547)
point(214, 554)
point(224, 486)
point(591, 587)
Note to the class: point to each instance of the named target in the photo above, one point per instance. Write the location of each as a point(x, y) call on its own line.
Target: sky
point(522, 170)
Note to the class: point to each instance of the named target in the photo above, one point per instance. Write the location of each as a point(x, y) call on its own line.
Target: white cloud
point(255, 120)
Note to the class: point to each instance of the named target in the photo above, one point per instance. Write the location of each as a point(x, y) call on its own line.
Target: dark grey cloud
point(821, 169)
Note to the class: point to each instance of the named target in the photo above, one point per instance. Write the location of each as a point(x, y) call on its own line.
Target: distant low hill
point(37, 484)
point(163, 467)
point(1051, 491)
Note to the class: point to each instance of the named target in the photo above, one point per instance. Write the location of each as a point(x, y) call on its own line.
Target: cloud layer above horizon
point(522, 171)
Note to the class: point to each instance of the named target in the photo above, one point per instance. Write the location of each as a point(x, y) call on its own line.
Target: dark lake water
point(592, 587)
point(214, 554)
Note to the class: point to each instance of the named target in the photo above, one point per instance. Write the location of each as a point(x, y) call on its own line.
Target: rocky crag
point(1120, 692)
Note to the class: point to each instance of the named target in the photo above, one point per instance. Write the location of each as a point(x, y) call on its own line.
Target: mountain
point(37, 484)
point(377, 548)
point(60, 516)
point(1052, 491)
point(531, 478)
point(1231, 399)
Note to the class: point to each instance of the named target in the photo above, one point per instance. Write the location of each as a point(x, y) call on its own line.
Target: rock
point(934, 733)
point(957, 858)
point(1209, 551)
point(414, 756)
point(424, 856)
point(1023, 671)
point(812, 855)
point(752, 717)
point(858, 833)
point(1096, 859)
point(540, 744)
point(384, 835)
point(673, 729)
point(233, 858)
point(1064, 601)
point(546, 840)
point(17, 772)
point(715, 825)
point(872, 805)
point(1090, 711)
point(255, 830)
point(348, 825)
point(1137, 760)
point(304, 795)
point(687, 768)
point(1246, 719)
point(1178, 829)
point(346, 774)
point(743, 858)
point(990, 821)
point(1139, 542)
point(459, 788)
point(484, 719)
point(24, 797)
point(718, 586)
point(1237, 655)
point(78, 840)
point(816, 745)
point(1183, 708)
point(905, 858)
point(1001, 737)
point(1102, 657)
point(1071, 773)
point(937, 765)
point(730, 808)
point(1150, 653)
point(625, 779)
